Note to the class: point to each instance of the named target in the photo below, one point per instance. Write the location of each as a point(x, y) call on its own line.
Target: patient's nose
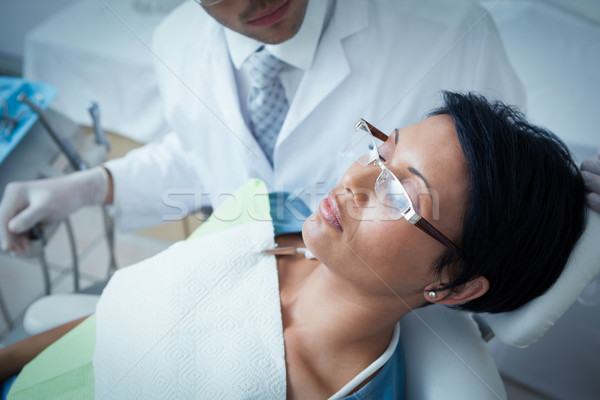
point(359, 181)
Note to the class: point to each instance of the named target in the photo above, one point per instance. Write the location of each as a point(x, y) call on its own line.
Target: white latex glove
point(590, 169)
point(24, 204)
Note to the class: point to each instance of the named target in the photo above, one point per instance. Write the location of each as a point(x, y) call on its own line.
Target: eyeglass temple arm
point(429, 229)
point(376, 132)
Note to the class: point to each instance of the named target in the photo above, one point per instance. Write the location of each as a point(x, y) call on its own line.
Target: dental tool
point(290, 250)
point(99, 134)
point(78, 165)
point(8, 123)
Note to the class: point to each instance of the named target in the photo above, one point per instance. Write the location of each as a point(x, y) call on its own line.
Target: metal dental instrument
point(109, 229)
point(290, 250)
point(78, 165)
point(7, 122)
point(101, 138)
point(76, 162)
point(109, 225)
point(7, 125)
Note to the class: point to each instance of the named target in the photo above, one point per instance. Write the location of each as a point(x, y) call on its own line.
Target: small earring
point(432, 294)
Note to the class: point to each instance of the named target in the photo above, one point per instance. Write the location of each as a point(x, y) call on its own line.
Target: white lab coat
point(383, 60)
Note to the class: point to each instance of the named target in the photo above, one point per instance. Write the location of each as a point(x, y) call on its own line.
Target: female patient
point(472, 207)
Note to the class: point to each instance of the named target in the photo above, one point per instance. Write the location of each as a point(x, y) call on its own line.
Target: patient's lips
point(330, 212)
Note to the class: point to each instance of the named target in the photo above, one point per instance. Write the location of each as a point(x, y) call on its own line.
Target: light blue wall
point(19, 16)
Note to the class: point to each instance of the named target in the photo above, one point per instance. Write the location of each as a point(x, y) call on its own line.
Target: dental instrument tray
point(16, 117)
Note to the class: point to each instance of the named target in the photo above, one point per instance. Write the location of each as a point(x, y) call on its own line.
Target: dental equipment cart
point(37, 142)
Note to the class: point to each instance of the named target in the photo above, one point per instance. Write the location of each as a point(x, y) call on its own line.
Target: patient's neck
point(316, 298)
point(335, 331)
point(340, 316)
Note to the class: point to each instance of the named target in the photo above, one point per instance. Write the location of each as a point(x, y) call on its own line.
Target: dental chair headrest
point(524, 326)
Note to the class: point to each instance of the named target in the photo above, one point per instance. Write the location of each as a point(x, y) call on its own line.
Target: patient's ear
point(469, 291)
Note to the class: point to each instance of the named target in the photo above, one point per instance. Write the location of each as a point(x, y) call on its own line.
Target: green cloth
point(249, 203)
point(64, 370)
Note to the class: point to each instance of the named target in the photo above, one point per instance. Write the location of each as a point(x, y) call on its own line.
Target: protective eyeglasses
point(207, 3)
point(388, 189)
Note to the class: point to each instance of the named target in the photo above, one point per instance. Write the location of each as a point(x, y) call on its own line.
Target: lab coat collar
point(330, 65)
point(299, 51)
point(227, 108)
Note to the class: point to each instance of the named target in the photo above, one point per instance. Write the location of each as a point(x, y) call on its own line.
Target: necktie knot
point(263, 68)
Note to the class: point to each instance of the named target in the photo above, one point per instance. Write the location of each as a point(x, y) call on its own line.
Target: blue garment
point(288, 213)
point(388, 384)
point(5, 386)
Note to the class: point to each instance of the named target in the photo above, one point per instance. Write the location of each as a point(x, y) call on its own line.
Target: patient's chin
point(313, 236)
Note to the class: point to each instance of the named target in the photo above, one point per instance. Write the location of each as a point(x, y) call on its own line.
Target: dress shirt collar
point(298, 51)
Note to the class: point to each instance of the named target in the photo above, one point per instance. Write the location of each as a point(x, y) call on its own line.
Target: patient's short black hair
point(526, 207)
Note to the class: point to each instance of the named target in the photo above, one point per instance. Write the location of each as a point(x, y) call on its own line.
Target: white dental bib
point(200, 320)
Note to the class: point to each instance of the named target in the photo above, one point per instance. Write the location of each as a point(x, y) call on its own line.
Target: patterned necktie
point(267, 104)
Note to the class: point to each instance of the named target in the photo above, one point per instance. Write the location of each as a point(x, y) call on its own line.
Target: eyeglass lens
point(389, 190)
point(391, 194)
point(363, 146)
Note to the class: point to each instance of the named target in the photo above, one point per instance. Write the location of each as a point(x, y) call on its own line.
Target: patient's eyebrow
point(420, 175)
point(396, 136)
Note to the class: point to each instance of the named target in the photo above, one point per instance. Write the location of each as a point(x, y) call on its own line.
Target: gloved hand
point(590, 169)
point(24, 204)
